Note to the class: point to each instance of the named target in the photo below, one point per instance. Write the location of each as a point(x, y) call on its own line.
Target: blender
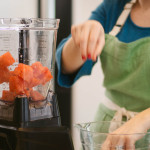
point(29, 113)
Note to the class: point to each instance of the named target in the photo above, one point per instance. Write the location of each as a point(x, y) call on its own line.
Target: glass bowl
point(94, 134)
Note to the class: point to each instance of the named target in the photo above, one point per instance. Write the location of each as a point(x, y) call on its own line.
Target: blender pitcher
point(29, 114)
point(27, 58)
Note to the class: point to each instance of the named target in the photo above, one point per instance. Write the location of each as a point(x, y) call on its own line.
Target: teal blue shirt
point(107, 14)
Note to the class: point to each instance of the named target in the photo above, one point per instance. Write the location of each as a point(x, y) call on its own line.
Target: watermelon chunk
point(24, 71)
point(17, 85)
point(27, 91)
point(6, 60)
point(41, 73)
point(36, 96)
point(37, 68)
point(45, 75)
point(8, 96)
point(4, 75)
point(34, 82)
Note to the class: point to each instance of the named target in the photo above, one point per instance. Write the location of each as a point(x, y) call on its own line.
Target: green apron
point(126, 68)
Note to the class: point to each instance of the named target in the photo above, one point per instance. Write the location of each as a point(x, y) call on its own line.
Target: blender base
point(24, 134)
point(50, 138)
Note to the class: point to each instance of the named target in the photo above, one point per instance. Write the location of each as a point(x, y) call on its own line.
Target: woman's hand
point(89, 38)
point(87, 42)
point(128, 133)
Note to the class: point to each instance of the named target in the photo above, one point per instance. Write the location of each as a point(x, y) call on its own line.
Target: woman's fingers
point(107, 144)
point(119, 142)
point(84, 41)
point(75, 31)
point(94, 37)
point(113, 142)
point(99, 46)
point(80, 35)
point(87, 37)
point(130, 142)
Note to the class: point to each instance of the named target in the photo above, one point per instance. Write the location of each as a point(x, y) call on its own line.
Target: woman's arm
point(87, 42)
point(128, 133)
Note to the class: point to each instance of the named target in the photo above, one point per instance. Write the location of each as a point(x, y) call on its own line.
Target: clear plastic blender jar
point(27, 58)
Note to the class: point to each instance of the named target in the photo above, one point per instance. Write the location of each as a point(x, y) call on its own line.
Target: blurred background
point(77, 104)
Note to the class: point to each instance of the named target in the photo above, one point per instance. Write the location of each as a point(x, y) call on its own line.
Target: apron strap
point(122, 18)
point(117, 119)
point(119, 114)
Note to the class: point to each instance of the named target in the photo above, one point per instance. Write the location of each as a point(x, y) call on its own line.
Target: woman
point(118, 32)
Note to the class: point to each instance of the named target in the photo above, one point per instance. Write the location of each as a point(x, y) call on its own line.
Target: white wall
point(87, 91)
point(18, 8)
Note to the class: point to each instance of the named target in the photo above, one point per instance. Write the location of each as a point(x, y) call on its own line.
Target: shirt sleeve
point(68, 80)
point(99, 14)
point(107, 14)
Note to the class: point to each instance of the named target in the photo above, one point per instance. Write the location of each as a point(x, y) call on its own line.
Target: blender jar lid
point(29, 24)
